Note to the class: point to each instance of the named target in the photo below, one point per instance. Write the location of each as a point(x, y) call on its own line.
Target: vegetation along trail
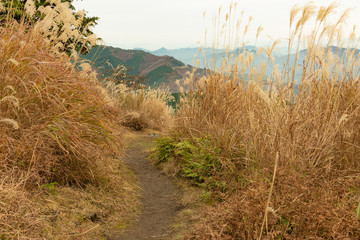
point(158, 194)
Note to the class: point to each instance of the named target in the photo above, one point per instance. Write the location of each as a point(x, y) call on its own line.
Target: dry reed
point(58, 140)
point(142, 108)
point(306, 111)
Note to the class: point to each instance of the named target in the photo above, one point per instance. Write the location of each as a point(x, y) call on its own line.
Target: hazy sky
point(153, 24)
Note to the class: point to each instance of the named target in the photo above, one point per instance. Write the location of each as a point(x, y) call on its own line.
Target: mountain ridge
point(164, 70)
point(156, 71)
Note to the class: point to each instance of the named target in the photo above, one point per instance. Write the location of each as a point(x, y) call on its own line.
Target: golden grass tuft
point(144, 107)
point(59, 140)
point(56, 120)
point(305, 113)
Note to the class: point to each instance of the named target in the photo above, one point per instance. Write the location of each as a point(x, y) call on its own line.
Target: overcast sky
point(152, 24)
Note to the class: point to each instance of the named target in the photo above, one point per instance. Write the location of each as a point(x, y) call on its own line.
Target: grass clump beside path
point(284, 149)
point(58, 143)
point(143, 107)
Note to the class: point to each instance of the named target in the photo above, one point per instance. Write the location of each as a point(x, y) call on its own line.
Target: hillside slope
point(155, 70)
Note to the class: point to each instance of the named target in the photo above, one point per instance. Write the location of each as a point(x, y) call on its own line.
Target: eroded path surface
point(159, 195)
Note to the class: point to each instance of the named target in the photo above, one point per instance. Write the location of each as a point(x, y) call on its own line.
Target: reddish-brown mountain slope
point(155, 70)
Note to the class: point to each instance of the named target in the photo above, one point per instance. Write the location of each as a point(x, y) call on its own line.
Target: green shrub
point(165, 147)
point(198, 160)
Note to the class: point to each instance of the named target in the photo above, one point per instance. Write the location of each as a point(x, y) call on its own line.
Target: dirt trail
point(159, 195)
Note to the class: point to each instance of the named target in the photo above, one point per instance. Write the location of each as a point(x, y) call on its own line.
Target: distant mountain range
point(163, 67)
point(191, 55)
point(155, 70)
point(208, 57)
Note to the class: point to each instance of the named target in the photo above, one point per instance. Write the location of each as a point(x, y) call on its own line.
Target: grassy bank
point(59, 145)
point(278, 161)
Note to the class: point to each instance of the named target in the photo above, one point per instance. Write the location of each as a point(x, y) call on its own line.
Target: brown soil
point(159, 195)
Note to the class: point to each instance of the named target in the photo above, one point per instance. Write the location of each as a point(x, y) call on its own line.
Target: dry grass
point(52, 211)
point(61, 134)
point(313, 129)
point(54, 120)
point(59, 141)
point(144, 108)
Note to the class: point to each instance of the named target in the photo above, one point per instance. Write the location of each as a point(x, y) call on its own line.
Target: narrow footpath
point(159, 195)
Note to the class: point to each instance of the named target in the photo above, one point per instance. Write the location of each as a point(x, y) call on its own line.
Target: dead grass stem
point(304, 114)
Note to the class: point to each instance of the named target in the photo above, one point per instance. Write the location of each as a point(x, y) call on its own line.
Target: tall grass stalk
point(57, 131)
point(305, 114)
point(142, 107)
point(241, 106)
